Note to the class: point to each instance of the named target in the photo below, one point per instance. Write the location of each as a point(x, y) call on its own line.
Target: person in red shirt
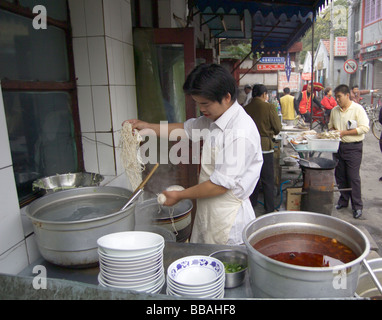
point(303, 103)
point(328, 102)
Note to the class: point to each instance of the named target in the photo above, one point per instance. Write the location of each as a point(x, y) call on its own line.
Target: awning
point(273, 25)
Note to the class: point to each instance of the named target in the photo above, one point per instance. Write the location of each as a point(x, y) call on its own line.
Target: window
point(373, 11)
point(39, 93)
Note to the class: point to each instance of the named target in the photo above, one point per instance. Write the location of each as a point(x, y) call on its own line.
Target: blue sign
point(288, 67)
point(272, 60)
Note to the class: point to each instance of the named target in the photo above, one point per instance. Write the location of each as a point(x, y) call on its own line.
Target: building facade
point(365, 42)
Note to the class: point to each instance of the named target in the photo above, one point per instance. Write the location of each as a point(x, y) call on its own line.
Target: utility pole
point(331, 58)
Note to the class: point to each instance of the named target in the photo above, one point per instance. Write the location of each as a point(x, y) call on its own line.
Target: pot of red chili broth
point(296, 254)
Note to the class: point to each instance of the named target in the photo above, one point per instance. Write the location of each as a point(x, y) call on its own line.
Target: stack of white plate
point(196, 276)
point(131, 260)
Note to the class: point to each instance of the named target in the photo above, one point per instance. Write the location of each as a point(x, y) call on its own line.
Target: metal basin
point(67, 181)
point(67, 224)
point(270, 278)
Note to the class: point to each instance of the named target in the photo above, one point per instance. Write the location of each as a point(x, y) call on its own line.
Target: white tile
point(94, 18)
point(123, 104)
point(110, 60)
point(119, 63)
point(5, 157)
point(128, 58)
point(101, 106)
point(85, 107)
point(89, 147)
point(81, 61)
point(112, 17)
point(11, 231)
point(119, 164)
point(97, 59)
point(26, 222)
point(32, 248)
point(77, 17)
point(14, 260)
point(127, 30)
point(120, 181)
point(105, 153)
point(115, 61)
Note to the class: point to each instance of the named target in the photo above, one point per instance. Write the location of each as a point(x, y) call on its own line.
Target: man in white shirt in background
point(351, 120)
point(248, 92)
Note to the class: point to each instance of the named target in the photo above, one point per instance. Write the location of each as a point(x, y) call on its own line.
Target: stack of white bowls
point(131, 260)
point(196, 276)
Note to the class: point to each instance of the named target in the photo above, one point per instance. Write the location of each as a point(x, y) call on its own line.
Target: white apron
point(215, 216)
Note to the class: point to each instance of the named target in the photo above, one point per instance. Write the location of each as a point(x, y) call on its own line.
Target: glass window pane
point(41, 135)
point(55, 9)
point(171, 74)
point(29, 54)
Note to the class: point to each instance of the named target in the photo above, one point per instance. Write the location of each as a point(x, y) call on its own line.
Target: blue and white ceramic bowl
point(196, 271)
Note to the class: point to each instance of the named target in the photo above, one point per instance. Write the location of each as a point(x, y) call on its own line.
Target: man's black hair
point(258, 90)
point(211, 81)
point(342, 88)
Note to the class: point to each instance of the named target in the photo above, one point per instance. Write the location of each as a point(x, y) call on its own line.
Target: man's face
point(343, 100)
point(247, 90)
point(355, 90)
point(212, 109)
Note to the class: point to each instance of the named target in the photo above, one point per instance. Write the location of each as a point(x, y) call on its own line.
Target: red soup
point(307, 250)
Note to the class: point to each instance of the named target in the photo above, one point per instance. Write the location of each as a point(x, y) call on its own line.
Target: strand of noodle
point(131, 159)
point(171, 211)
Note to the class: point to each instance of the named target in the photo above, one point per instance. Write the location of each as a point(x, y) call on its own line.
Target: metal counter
point(172, 252)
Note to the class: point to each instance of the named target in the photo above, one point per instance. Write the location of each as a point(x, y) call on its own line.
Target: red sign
point(293, 84)
point(341, 46)
point(270, 67)
point(306, 76)
point(350, 66)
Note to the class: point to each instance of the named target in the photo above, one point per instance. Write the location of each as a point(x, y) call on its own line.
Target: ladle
point(139, 189)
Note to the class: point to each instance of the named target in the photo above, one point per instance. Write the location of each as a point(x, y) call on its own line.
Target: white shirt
point(248, 98)
point(339, 119)
point(238, 159)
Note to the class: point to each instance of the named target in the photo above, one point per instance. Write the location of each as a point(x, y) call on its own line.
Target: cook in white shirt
point(231, 158)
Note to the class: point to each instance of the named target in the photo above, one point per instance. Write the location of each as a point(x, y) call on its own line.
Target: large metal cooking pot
point(67, 224)
point(274, 279)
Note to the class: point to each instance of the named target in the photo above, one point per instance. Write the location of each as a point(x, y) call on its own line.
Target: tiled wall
point(13, 251)
point(104, 64)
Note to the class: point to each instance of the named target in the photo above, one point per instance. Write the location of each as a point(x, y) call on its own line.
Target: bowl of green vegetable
point(235, 264)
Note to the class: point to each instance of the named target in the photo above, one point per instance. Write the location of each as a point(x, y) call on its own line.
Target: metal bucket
point(68, 223)
point(270, 278)
point(149, 212)
point(318, 185)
